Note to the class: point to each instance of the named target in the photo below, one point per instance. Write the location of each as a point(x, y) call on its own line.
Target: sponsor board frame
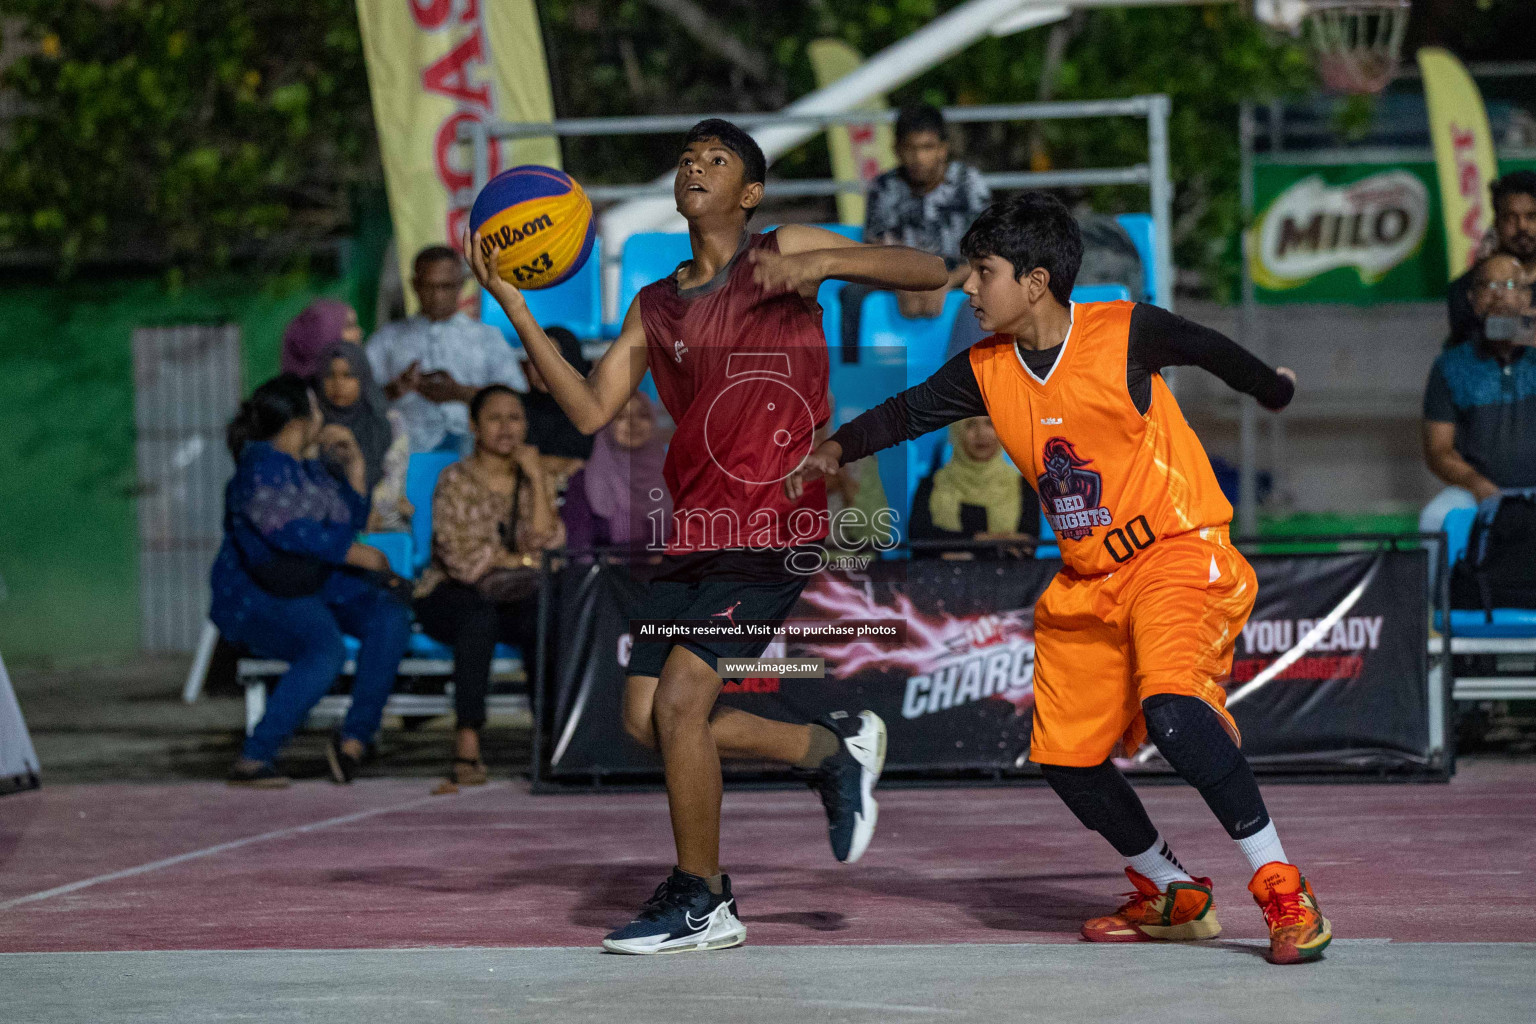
point(1413, 665)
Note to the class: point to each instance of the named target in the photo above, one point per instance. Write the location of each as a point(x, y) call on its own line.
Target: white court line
point(209, 851)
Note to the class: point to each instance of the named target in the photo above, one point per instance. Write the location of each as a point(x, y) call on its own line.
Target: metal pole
point(1247, 500)
point(480, 146)
point(1162, 199)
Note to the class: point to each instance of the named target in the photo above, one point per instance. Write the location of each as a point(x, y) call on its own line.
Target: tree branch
point(715, 37)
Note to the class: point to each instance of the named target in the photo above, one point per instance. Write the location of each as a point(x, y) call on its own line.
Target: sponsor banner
point(1464, 157)
point(434, 66)
point(860, 152)
point(1331, 668)
point(1356, 233)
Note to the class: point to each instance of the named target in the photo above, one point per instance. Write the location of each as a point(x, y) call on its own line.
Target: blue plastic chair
point(881, 325)
point(1507, 622)
point(421, 475)
point(648, 256)
point(397, 547)
point(1101, 293)
point(576, 304)
point(1139, 226)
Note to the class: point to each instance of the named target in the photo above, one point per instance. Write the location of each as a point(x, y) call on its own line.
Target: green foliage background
point(198, 134)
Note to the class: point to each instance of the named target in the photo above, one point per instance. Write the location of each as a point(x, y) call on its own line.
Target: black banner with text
point(1329, 671)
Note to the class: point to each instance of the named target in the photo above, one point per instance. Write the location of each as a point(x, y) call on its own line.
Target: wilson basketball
point(542, 221)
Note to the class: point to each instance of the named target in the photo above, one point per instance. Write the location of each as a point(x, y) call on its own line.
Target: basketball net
point(1355, 43)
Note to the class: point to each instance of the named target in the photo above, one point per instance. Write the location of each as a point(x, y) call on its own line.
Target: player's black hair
point(1515, 183)
point(754, 164)
point(270, 408)
point(484, 395)
point(920, 117)
point(1029, 230)
point(433, 254)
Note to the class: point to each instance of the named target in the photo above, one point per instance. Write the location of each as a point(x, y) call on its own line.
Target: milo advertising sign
point(1349, 232)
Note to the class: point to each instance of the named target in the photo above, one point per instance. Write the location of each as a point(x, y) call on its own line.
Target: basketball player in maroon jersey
point(733, 341)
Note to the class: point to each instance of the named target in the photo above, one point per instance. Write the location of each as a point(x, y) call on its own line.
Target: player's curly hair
point(1032, 229)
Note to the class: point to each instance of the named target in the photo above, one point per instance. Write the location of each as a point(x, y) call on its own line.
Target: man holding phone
point(434, 362)
point(1480, 402)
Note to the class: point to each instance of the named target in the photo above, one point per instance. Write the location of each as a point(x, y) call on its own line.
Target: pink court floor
point(383, 865)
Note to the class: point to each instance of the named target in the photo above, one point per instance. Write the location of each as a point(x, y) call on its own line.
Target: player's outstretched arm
point(590, 401)
point(809, 255)
point(949, 396)
point(1160, 339)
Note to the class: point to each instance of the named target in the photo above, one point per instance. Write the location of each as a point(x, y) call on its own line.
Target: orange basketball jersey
point(1111, 480)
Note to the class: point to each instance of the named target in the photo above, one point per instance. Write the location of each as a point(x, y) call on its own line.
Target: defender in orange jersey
point(1134, 637)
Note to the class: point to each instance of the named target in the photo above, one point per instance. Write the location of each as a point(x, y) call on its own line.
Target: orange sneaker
point(1298, 931)
point(1185, 911)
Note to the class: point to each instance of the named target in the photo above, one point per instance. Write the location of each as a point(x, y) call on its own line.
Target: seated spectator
point(288, 580)
point(927, 202)
point(1480, 402)
point(619, 497)
point(1514, 234)
point(977, 496)
point(433, 363)
point(493, 514)
point(322, 324)
point(349, 397)
point(563, 448)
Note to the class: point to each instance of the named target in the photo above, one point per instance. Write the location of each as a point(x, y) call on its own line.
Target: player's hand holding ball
point(502, 290)
point(824, 461)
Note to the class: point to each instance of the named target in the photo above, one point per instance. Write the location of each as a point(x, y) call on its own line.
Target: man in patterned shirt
point(927, 202)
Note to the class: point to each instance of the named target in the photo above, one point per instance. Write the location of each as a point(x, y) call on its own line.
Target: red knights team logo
point(1070, 491)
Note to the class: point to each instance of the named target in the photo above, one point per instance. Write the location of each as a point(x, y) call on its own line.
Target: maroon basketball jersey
point(744, 376)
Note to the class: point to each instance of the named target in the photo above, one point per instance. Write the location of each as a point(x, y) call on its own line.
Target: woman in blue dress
point(290, 578)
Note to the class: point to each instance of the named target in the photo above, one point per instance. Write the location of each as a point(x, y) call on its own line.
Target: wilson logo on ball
point(510, 236)
point(534, 224)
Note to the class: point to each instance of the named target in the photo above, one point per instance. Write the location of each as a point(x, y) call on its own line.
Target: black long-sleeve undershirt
point(1158, 339)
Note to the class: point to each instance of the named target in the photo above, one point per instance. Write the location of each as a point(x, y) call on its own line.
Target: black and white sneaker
point(681, 917)
point(846, 781)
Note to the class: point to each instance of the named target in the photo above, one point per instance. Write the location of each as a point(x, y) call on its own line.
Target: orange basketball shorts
point(1165, 624)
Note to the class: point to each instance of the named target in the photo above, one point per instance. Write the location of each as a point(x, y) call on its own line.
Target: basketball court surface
point(378, 903)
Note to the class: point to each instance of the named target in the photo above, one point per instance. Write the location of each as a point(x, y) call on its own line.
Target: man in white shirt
point(434, 362)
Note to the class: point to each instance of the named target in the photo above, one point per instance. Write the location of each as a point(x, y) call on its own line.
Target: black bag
point(1498, 569)
point(286, 575)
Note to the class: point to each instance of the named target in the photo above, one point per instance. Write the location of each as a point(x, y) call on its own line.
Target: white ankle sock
point(1262, 847)
point(1159, 864)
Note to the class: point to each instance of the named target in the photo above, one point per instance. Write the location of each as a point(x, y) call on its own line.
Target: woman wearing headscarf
point(977, 496)
point(563, 448)
point(619, 497)
point(349, 396)
point(322, 323)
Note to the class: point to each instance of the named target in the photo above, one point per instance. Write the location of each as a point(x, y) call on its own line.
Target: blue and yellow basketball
point(542, 221)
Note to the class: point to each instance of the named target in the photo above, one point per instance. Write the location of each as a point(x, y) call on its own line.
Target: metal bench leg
point(255, 704)
point(198, 673)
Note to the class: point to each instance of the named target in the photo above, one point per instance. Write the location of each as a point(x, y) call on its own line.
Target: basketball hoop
point(1355, 43)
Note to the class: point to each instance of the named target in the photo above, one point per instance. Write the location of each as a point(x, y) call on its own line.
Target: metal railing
point(1154, 173)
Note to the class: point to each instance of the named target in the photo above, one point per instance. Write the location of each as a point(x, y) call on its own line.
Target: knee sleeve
point(1104, 801)
point(1192, 738)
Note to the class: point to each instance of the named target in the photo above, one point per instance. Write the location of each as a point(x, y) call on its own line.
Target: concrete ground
point(135, 888)
point(1217, 983)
